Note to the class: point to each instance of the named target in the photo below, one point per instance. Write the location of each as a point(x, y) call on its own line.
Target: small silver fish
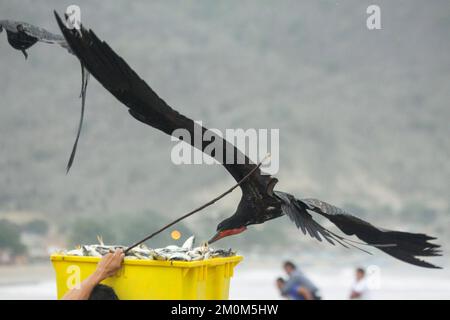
point(172, 252)
point(90, 251)
point(178, 256)
point(75, 252)
point(189, 243)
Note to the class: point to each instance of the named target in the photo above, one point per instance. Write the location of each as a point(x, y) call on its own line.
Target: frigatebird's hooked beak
point(216, 237)
point(225, 233)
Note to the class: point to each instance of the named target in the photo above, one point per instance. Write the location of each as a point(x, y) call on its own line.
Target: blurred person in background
point(90, 288)
point(297, 284)
point(360, 289)
point(296, 293)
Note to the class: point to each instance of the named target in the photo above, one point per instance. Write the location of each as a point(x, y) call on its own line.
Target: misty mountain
point(363, 115)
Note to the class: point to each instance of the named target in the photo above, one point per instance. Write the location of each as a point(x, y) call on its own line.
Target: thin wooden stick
point(199, 208)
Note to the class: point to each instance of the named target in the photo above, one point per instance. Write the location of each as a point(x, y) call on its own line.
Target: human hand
point(109, 265)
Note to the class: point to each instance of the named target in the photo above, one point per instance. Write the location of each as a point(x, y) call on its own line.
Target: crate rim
point(157, 263)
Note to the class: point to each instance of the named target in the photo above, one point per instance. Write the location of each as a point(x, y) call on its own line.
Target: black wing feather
point(144, 104)
point(404, 246)
point(296, 211)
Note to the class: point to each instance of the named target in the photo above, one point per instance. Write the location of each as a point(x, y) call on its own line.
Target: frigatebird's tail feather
point(84, 83)
point(404, 246)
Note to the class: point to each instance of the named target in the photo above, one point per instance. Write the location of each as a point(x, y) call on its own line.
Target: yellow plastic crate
point(151, 279)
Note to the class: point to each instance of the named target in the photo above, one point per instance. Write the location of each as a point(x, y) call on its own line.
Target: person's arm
point(107, 267)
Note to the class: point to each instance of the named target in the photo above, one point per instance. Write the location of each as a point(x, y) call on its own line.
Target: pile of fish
point(186, 252)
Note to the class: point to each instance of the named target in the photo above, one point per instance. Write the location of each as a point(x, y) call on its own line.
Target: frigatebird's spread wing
point(404, 246)
point(22, 36)
point(146, 106)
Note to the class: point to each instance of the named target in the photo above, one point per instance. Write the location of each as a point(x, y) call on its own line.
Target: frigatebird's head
point(228, 227)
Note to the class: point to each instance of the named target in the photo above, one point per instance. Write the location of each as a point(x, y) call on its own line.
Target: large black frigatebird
point(259, 202)
point(22, 36)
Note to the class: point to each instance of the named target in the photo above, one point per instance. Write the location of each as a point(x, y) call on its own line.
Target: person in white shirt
point(360, 289)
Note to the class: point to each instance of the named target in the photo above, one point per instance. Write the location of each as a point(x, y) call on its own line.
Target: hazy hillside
point(363, 115)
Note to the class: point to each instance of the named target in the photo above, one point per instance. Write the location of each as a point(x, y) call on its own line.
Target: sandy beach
point(37, 282)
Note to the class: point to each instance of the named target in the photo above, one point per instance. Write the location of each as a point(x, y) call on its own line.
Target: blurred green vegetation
point(10, 237)
point(126, 228)
point(36, 226)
